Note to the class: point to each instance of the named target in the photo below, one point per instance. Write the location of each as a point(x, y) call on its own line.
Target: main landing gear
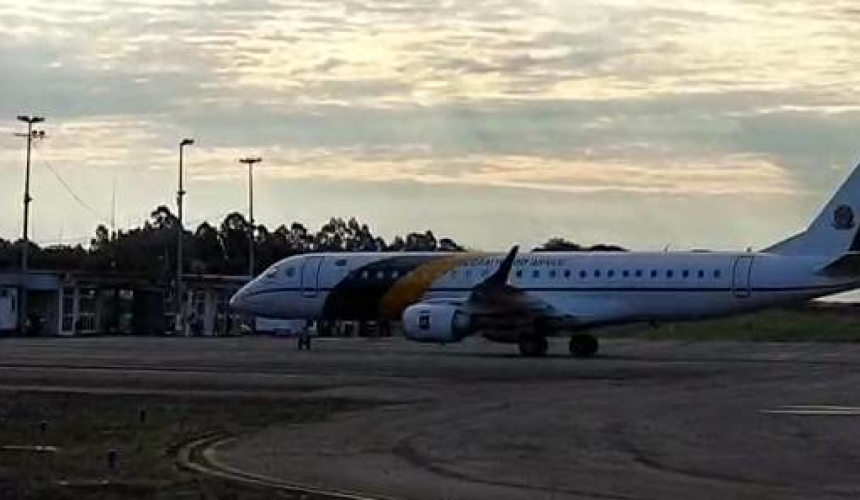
point(583, 346)
point(533, 347)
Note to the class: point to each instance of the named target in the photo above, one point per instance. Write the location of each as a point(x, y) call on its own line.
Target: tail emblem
point(843, 218)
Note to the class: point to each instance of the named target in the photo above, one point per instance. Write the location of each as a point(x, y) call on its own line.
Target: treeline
point(151, 249)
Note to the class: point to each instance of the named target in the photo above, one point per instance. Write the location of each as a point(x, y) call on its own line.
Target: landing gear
point(583, 346)
point(533, 347)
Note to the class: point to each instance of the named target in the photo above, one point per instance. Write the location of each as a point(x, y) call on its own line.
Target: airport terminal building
point(75, 303)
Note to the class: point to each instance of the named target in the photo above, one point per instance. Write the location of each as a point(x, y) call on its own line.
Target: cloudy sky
point(648, 123)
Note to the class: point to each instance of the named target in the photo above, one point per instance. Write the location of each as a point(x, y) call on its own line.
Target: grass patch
point(84, 427)
point(810, 324)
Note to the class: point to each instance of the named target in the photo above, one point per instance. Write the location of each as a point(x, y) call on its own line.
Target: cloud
point(632, 98)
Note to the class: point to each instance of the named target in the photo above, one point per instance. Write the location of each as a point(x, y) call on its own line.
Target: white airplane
point(524, 298)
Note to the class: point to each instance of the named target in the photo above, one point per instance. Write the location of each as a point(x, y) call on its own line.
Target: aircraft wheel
point(583, 346)
point(533, 347)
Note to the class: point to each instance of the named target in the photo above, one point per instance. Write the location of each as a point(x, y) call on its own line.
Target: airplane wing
point(496, 298)
point(495, 294)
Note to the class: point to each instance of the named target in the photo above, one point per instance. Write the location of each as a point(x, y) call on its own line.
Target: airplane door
point(311, 276)
point(741, 284)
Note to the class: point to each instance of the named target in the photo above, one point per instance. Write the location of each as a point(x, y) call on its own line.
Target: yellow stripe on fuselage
point(410, 288)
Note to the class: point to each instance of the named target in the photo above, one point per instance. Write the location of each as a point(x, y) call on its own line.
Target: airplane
point(523, 298)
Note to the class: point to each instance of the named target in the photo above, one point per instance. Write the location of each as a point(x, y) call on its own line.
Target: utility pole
point(252, 227)
point(180, 194)
point(24, 277)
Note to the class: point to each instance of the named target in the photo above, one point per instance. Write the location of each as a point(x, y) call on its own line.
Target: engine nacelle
point(438, 323)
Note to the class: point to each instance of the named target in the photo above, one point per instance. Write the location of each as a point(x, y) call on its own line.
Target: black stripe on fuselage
point(359, 295)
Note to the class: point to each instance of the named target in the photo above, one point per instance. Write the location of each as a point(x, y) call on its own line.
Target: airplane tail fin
point(835, 231)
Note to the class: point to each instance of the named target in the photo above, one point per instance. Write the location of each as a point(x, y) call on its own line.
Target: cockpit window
point(272, 272)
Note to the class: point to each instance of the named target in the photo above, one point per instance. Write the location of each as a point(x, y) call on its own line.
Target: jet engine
point(440, 323)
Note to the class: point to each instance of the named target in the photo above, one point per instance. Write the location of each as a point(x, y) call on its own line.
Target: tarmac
point(643, 420)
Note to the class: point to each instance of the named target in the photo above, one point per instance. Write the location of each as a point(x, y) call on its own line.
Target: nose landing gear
point(583, 346)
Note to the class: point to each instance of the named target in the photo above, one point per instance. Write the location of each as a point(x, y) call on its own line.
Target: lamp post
point(180, 194)
point(31, 134)
point(250, 162)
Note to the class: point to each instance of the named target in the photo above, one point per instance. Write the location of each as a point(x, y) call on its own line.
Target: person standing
point(305, 336)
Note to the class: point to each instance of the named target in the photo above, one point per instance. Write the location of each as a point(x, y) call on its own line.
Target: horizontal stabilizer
point(846, 265)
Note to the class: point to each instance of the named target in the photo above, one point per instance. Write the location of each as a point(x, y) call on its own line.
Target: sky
point(646, 123)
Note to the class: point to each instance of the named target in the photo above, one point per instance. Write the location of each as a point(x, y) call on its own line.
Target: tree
point(234, 241)
point(206, 248)
point(558, 244)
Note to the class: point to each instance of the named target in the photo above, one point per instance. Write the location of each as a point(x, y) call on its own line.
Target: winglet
point(500, 277)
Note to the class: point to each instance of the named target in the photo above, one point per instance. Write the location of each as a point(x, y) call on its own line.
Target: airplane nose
point(237, 302)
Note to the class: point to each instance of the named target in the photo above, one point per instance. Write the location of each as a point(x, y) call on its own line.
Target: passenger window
point(638, 273)
point(567, 273)
point(535, 274)
point(610, 273)
point(553, 273)
point(686, 273)
point(669, 273)
point(519, 273)
point(395, 274)
point(597, 273)
point(653, 273)
point(716, 273)
point(380, 274)
point(582, 274)
point(365, 274)
point(625, 273)
point(701, 274)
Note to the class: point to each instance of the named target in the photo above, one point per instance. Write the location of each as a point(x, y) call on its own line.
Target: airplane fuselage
point(589, 289)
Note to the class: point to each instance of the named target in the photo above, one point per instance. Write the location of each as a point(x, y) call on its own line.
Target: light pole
point(180, 194)
point(250, 162)
point(31, 134)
